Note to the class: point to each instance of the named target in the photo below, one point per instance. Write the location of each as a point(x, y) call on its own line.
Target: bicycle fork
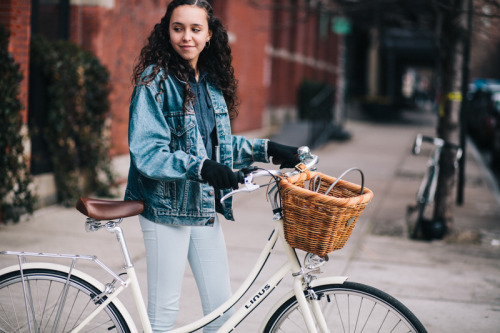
point(318, 313)
point(308, 304)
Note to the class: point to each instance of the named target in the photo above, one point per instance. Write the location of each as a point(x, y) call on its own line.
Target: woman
point(182, 154)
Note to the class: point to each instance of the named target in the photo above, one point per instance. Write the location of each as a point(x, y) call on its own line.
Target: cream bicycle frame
point(310, 310)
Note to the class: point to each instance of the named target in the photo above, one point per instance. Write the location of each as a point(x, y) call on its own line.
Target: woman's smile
point(189, 32)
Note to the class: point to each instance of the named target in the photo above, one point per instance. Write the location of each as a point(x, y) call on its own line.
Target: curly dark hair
point(215, 59)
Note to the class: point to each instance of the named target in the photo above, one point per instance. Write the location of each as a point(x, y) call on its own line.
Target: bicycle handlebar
point(246, 175)
point(437, 142)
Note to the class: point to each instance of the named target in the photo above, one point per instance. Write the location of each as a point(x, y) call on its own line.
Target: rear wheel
point(53, 303)
point(349, 307)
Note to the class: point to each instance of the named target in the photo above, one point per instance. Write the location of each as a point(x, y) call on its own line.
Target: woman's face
point(189, 32)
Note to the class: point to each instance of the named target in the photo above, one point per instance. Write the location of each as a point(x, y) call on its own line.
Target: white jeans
point(167, 249)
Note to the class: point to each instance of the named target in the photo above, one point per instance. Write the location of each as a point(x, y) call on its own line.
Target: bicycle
point(424, 225)
point(41, 297)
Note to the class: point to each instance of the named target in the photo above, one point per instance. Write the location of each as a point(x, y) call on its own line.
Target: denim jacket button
point(211, 192)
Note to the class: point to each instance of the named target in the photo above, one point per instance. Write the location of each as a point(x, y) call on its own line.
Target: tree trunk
point(454, 28)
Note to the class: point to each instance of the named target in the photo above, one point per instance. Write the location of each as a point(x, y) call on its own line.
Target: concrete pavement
point(452, 285)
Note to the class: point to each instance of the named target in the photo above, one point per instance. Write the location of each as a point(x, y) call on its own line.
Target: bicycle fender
point(285, 297)
point(75, 272)
point(329, 280)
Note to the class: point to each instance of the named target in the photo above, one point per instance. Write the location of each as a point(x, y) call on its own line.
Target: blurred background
point(310, 64)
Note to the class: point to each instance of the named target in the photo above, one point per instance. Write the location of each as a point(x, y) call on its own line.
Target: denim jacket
point(167, 153)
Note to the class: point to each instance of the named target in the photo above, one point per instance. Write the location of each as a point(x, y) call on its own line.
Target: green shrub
point(15, 196)
point(77, 90)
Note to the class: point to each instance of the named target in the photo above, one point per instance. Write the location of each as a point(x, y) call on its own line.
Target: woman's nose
point(186, 36)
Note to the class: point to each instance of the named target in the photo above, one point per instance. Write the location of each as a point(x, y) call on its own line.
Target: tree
point(454, 27)
point(453, 37)
point(15, 180)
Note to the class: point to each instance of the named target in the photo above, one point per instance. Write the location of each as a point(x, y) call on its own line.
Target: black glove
point(218, 175)
point(286, 156)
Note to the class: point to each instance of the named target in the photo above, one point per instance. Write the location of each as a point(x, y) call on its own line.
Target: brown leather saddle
point(100, 209)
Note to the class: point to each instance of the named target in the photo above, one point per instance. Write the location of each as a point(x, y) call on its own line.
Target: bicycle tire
point(422, 202)
point(45, 289)
point(349, 307)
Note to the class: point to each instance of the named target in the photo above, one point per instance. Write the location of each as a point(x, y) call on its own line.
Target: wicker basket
point(317, 222)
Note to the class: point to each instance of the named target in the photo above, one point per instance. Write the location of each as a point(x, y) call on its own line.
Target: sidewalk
point(452, 286)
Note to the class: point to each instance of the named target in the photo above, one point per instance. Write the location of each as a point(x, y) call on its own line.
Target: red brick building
point(15, 15)
point(276, 44)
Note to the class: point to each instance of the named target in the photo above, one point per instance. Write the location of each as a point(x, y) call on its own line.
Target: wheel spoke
point(5, 318)
point(45, 291)
point(349, 307)
point(369, 316)
point(339, 312)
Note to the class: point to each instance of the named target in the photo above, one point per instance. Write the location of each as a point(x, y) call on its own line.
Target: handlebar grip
point(417, 144)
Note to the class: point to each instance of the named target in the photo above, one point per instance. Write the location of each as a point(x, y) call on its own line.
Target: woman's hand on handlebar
point(285, 156)
point(247, 175)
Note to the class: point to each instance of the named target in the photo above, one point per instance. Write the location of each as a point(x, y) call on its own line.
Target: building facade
point(275, 44)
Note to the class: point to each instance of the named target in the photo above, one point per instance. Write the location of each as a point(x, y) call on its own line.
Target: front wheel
point(349, 307)
point(424, 199)
point(46, 300)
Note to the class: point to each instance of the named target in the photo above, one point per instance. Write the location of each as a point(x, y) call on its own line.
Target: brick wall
point(15, 15)
point(248, 45)
point(273, 50)
point(303, 47)
point(116, 35)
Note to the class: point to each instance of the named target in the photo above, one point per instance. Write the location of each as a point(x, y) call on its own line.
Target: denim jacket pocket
point(156, 189)
point(183, 197)
point(182, 129)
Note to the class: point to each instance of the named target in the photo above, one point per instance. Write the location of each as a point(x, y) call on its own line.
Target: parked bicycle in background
point(423, 225)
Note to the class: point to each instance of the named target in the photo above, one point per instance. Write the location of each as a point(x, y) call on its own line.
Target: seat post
point(117, 230)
